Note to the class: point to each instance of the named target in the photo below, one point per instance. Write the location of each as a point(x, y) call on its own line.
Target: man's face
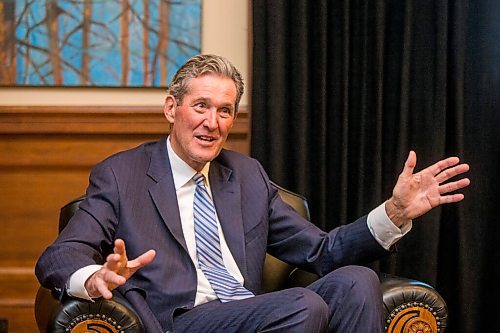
point(200, 125)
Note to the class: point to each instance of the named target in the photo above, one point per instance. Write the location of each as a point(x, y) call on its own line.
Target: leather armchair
point(410, 305)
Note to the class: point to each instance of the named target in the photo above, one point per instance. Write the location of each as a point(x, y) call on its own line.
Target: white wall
point(225, 31)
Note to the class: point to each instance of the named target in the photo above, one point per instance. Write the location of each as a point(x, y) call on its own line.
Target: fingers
point(96, 287)
point(109, 281)
point(102, 282)
point(119, 247)
point(453, 186)
point(442, 170)
point(437, 167)
point(121, 266)
point(118, 259)
point(116, 270)
point(451, 172)
point(104, 291)
point(446, 199)
point(116, 262)
point(107, 278)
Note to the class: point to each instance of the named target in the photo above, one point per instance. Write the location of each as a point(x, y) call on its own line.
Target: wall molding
point(94, 120)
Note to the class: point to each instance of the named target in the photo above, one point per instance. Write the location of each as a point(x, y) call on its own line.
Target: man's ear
point(170, 108)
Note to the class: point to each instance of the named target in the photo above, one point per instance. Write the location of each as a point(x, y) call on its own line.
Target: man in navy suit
point(139, 204)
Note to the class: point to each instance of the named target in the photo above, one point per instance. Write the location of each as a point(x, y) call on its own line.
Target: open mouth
point(205, 138)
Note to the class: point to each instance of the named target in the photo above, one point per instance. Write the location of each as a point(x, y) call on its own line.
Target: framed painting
point(96, 43)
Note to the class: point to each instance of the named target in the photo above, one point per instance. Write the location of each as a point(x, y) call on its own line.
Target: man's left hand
point(417, 193)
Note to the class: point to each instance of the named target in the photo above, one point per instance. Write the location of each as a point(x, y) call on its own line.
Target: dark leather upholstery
point(409, 304)
point(78, 316)
point(412, 306)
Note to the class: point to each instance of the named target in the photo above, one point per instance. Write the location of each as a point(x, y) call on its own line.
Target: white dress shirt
point(379, 224)
point(185, 187)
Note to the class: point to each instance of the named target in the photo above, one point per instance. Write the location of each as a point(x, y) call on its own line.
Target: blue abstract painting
point(103, 43)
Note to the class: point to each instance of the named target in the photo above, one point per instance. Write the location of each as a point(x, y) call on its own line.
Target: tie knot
point(199, 179)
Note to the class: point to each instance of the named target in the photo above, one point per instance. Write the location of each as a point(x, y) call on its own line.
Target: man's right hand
point(116, 271)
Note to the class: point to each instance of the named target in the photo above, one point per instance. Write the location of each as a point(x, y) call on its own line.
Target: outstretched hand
point(417, 193)
point(116, 271)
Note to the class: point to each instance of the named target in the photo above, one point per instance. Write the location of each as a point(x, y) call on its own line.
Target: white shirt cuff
point(383, 230)
point(76, 283)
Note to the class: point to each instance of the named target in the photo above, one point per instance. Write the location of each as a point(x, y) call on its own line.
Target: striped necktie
point(226, 287)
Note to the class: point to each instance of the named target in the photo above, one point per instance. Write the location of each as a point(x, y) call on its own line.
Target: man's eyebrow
point(199, 99)
point(228, 105)
point(207, 99)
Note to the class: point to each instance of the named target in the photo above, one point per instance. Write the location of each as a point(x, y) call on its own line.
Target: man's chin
point(205, 158)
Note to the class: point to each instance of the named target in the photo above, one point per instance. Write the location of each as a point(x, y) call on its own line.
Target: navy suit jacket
point(131, 195)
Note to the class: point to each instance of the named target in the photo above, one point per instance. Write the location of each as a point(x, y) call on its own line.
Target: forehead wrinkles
point(221, 91)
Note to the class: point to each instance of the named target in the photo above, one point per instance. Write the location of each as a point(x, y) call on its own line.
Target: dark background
point(342, 90)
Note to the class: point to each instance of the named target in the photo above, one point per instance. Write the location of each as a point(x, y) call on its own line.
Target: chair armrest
point(408, 304)
point(76, 315)
point(411, 304)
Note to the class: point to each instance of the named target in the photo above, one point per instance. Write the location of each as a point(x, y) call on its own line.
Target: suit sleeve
point(299, 242)
point(89, 235)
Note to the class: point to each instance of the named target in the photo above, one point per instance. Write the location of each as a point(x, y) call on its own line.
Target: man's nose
point(211, 119)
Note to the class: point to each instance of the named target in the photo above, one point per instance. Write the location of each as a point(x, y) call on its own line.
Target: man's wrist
point(383, 229)
point(77, 281)
point(396, 213)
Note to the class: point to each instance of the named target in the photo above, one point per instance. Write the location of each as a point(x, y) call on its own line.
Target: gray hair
point(200, 65)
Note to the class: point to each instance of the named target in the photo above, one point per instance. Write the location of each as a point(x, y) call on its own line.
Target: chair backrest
point(68, 210)
point(297, 201)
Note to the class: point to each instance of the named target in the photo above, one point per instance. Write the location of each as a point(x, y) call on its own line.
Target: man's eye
point(200, 106)
point(226, 112)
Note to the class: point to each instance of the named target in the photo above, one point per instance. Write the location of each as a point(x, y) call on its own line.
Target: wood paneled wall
point(46, 154)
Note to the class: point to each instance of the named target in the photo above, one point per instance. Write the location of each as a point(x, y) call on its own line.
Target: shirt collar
point(181, 171)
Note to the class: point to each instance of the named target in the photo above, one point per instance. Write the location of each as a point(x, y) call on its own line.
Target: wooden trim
point(94, 120)
point(19, 270)
point(17, 303)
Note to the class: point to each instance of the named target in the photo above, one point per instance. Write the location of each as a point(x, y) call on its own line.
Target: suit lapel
point(227, 200)
point(163, 191)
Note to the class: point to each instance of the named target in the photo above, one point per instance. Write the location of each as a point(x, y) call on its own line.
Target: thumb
point(142, 260)
point(410, 164)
